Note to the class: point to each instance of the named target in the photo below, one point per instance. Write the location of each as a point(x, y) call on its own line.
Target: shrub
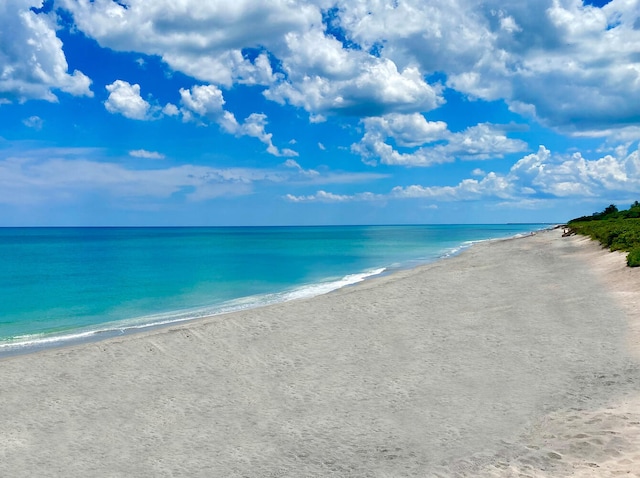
point(616, 230)
point(633, 258)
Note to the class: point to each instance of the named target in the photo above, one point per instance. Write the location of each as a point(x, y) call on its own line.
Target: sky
point(293, 112)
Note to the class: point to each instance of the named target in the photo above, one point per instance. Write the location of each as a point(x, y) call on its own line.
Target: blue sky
point(239, 112)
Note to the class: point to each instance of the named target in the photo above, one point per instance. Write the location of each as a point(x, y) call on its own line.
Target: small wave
point(326, 287)
point(26, 343)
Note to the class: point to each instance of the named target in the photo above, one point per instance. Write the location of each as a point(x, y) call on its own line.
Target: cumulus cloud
point(406, 130)
point(281, 45)
point(202, 104)
point(534, 177)
point(206, 102)
point(483, 141)
point(375, 88)
point(124, 98)
point(32, 62)
point(541, 174)
point(577, 176)
point(202, 39)
point(571, 66)
point(492, 185)
point(170, 110)
point(439, 36)
point(323, 77)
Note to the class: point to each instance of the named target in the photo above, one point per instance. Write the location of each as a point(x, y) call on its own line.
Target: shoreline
point(512, 357)
point(109, 330)
point(29, 344)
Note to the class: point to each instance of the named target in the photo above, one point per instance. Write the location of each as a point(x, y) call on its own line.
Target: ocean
point(59, 285)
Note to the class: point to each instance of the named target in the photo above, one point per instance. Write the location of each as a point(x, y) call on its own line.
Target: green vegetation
point(617, 230)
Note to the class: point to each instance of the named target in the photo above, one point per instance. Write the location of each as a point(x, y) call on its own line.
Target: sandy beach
point(515, 358)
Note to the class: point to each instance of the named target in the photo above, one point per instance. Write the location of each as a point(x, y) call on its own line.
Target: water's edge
point(38, 342)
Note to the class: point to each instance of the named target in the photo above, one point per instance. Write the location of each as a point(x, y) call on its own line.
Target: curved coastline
point(513, 358)
point(34, 343)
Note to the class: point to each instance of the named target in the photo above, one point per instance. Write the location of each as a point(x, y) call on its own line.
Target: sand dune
point(515, 358)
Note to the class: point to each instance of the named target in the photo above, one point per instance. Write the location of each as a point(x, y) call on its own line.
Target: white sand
point(516, 358)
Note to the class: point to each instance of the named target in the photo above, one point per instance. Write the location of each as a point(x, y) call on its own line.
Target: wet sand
point(515, 358)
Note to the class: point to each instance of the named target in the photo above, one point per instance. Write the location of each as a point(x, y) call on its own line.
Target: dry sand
point(515, 358)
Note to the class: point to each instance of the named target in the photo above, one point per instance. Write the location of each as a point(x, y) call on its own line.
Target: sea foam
point(93, 283)
point(26, 343)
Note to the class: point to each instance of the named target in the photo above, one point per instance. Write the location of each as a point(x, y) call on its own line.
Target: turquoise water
point(60, 284)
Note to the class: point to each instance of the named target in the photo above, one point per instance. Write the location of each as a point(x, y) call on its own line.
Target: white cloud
point(201, 104)
point(320, 55)
point(439, 36)
point(293, 164)
point(143, 153)
point(125, 99)
point(577, 176)
point(324, 196)
point(406, 130)
point(32, 62)
point(34, 122)
point(572, 66)
point(254, 126)
point(229, 42)
point(483, 141)
point(314, 118)
point(207, 102)
point(322, 146)
point(325, 77)
point(202, 39)
point(508, 24)
point(376, 87)
point(204, 101)
point(534, 177)
point(65, 176)
point(627, 134)
point(170, 110)
point(492, 185)
point(25, 180)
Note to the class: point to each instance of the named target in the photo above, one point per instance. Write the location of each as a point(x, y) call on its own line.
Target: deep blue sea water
point(60, 284)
